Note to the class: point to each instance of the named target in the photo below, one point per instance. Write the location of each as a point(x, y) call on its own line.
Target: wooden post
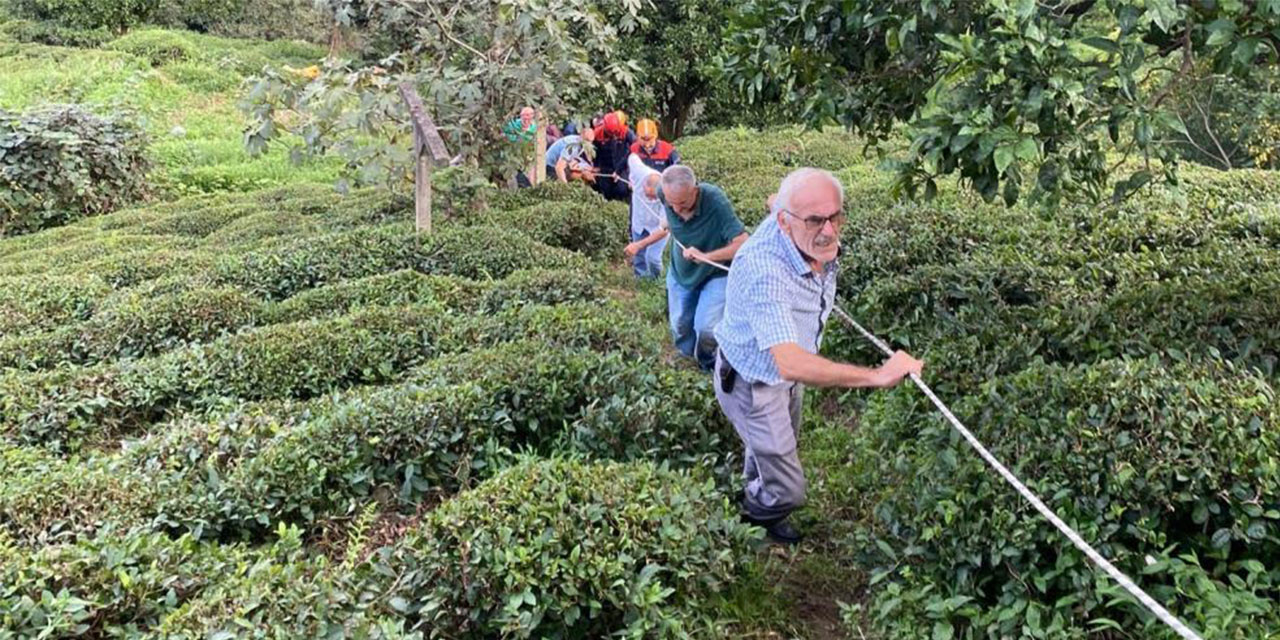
point(421, 187)
point(538, 170)
point(428, 152)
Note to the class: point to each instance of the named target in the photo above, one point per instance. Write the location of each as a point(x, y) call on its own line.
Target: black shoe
point(783, 533)
point(779, 529)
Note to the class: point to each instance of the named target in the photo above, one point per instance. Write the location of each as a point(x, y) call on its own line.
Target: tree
point(474, 63)
point(673, 47)
point(1016, 97)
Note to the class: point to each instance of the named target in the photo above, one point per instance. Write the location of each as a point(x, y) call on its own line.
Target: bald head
point(651, 185)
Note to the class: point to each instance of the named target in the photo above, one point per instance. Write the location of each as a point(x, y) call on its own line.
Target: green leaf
point(950, 41)
point(1200, 514)
point(1221, 538)
point(1221, 31)
point(1172, 122)
point(1033, 619)
point(1004, 157)
point(1102, 44)
point(943, 631)
point(1245, 51)
point(1027, 150)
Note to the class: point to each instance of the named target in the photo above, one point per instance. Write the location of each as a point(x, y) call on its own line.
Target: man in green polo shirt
point(702, 220)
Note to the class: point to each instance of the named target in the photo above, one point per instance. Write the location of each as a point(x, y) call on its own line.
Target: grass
point(188, 106)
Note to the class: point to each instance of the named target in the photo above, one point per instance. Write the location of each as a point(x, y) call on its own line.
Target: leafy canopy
point(1016, 97)
point(474, 63)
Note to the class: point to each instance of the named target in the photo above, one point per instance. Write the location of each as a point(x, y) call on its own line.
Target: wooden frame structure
point(428, 152)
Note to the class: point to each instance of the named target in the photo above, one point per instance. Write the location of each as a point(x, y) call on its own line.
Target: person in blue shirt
point(779, 296)
point(570, 157)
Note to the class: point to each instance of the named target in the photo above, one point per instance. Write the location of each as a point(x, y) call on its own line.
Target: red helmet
point(613, 126)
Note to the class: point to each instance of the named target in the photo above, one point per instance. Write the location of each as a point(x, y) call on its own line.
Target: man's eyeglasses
point(816, 223)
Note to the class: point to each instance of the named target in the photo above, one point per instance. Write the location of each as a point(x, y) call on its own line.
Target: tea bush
point(64, 407)
point(162, 315)
point(115, 15)
point(129, 583)
point(156, 46)
point(537, 286)
point(45, 303)
point(53, 34)
point(555, 548)
point(135, 325)
point(61, 162)
point(453, 420)
point(1149, 462)
point(476, 252)
point(594, 228)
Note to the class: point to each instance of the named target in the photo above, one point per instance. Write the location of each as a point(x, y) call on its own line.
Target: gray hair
point(678, 176)
point(787, 190)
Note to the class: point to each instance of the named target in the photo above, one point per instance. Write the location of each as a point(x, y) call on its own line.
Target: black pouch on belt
point(727, 375)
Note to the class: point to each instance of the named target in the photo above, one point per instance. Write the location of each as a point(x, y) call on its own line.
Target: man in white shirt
point(648, 237)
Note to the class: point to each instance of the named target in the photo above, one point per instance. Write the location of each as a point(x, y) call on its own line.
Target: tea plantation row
point(283, 414)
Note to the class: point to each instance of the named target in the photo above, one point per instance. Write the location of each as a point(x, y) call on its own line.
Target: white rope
point(1111, 570)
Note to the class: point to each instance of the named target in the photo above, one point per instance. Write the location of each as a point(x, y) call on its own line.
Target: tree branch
point(1187, 62)
point(1208, 129)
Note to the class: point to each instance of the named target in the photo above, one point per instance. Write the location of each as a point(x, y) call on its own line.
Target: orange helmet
point(647, 129)
point(622, 117)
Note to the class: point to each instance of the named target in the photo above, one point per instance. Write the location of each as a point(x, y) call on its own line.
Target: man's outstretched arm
point(797, 365)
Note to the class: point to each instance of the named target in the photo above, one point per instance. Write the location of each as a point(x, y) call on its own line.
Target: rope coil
point(1123, 580)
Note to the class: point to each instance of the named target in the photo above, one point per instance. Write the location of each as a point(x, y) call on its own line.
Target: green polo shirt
point(712, 226)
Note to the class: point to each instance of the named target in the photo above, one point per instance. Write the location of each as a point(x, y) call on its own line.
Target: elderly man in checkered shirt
point(778, 298)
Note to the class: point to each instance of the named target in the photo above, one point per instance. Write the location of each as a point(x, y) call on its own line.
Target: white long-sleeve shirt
point(646, 213)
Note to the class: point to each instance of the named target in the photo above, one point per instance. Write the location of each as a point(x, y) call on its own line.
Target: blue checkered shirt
point(772, 297)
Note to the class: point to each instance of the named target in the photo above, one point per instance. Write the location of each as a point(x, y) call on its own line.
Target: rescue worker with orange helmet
point(655, 153)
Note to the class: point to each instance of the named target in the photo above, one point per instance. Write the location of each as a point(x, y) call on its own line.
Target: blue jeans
point(694, 314)
point(648, 263)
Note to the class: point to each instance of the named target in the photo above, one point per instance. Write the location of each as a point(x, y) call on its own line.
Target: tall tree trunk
point(675, 113)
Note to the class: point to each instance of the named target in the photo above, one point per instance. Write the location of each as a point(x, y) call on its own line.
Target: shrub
point(549, 191)
point(55, 35)
point(562, 549)
point(592, 228)
point(395, 288)
point(61, 408)
point(58, 163)
point(135, 325)
point(286, 591)
point(197, 15)
point(452, 421)
point(1230, 122)
point(67, 409)
point(200, 77)
point(543, 287)
point(45, 302)
point(1147, 461)
point(115, 15)
point(47, 498)
point(123, 583)
point(477, 252)
point(157, 46)
point(269, 20)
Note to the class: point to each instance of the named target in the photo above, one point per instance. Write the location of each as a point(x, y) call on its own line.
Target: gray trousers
point(767, 419)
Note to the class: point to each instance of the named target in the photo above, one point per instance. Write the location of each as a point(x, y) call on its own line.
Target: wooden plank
point(427, 135)
point(422, 190)
point(539, 168)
